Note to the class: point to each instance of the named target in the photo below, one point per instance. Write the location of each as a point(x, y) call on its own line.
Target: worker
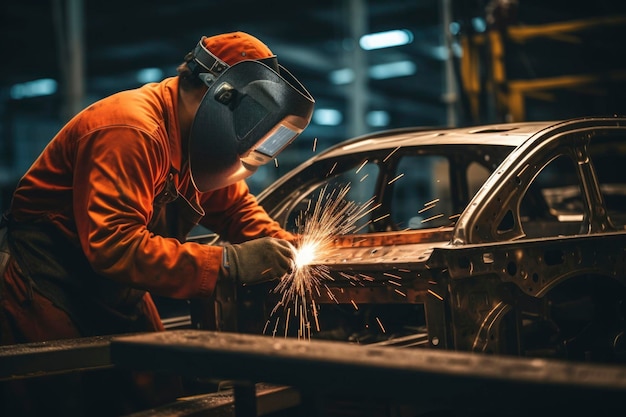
point(100, 220)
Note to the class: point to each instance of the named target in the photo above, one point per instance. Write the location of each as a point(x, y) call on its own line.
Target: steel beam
point(54, 357)
point(423, 379)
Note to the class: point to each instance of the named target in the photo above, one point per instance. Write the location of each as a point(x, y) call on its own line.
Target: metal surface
point(422, 379)
point(269, 399)
point(523, 267)
point(54, 357)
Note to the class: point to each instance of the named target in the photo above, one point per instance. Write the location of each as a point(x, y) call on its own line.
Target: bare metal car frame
point(520, 270)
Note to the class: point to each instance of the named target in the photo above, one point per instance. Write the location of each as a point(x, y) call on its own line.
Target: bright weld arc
point(332, 215)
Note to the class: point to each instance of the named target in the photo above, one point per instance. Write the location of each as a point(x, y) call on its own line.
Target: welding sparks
point(305, 254)
point(392, 152)
point(396, 178)
point(332, 215)
point(429, 205)
point(437, 216)
point(380, 324)
point(332, 169)
point(361, 167)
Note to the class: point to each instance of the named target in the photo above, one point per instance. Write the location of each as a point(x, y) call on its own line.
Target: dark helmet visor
point(248, 115)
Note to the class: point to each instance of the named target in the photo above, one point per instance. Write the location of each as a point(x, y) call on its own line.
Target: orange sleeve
point(116, 170)
point(235, 214)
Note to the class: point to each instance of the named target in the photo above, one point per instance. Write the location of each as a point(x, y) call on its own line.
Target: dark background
point(101, 48)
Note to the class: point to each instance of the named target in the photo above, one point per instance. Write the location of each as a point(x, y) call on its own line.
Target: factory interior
point(564, 59)
point(371, 66)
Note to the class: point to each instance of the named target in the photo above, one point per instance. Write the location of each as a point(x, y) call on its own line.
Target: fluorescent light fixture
point(148, 75)
point(479, 24)
point(377, 118)
point(440, 52)
point(386, 39)
point(327, 117)
point(342, 76)
point(377, 72)
point(457, 49)
point(454, 28)
point(392, 70)
point(36, 88)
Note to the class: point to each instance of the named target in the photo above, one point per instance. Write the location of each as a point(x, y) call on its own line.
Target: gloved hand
point(259, 260)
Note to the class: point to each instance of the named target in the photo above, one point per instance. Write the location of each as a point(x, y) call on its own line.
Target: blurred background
point(371, 65)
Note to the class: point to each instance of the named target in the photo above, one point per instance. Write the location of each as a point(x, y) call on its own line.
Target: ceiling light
point(36, 88)
point(454, 28)
point(392, 70)
point(386, 39)
point(377, 118)
point(342, 76)
point(148, 75)
point(479, 24)
point(327, 117)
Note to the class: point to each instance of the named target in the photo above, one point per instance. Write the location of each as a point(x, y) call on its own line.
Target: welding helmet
point(251, 111)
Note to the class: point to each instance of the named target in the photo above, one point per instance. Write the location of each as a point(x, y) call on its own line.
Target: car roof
point(512, 135)
point(505, 134)
point(500, 134)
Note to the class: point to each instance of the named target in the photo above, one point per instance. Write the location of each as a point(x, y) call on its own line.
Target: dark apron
point(58, 269)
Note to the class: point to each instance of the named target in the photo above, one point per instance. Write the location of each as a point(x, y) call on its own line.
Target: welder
point(101, 219)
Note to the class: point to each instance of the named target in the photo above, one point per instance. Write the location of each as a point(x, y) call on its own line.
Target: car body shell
point(494, 278)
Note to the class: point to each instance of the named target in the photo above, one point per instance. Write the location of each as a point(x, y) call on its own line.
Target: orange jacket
point(96, 182)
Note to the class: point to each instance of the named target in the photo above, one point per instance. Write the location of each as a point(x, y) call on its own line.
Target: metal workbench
point(419, 380)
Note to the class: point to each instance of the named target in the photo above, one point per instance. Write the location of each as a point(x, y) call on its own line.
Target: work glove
point(259, 260)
